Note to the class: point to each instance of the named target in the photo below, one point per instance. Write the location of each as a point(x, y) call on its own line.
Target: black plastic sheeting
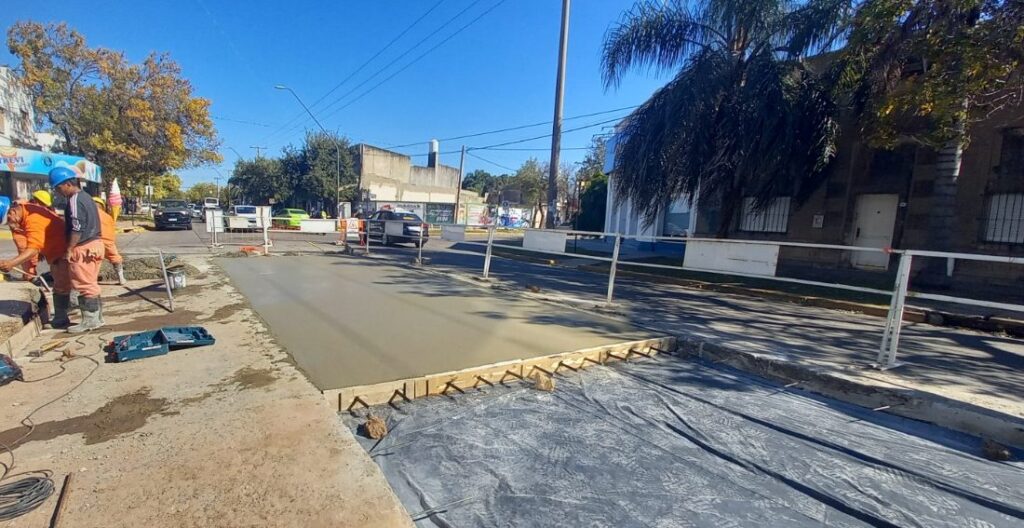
point(670, 442)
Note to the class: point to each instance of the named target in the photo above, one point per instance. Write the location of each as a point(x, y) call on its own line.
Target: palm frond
point(654, 35)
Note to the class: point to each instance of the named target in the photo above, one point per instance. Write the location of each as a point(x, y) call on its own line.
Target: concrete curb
point(908, 403)
point(21, 338)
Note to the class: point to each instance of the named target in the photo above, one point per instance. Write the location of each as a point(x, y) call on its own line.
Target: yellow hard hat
point(43, 197)
point(99, 200)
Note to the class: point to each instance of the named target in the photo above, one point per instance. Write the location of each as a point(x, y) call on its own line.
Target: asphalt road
point(351, 321)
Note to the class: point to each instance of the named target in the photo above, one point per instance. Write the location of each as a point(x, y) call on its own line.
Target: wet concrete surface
point(355, 321)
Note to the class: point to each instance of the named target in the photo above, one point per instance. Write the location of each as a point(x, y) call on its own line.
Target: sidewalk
point(978, 368)
point(225, 435)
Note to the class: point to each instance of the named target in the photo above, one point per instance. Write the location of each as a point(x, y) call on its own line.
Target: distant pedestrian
point(84, 247)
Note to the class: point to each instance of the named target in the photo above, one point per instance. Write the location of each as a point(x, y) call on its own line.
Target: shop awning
point(36, 162)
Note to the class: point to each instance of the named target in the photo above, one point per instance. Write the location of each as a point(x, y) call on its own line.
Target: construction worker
point(108, 233)
point(43, 198)
point(44, 236)
point(21, 242)
point(84, 247)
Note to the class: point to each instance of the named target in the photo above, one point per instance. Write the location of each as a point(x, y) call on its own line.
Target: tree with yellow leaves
point(137, 121)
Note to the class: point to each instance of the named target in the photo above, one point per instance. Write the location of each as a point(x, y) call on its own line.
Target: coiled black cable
point(24, 495)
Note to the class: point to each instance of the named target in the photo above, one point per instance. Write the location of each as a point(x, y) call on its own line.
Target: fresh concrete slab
point(357, 321)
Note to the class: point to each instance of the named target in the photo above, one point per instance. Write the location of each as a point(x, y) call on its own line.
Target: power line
point(363, 65)
point(393, 62)
point(529, 149)
point(417, 59)
point(514, 142)
point(520, 127)
point(491, 162)
point(242, 121)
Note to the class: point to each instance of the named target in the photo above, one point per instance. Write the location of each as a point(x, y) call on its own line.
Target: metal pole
point(556, 128)
point(337, 181)
point(458, 188)
point(611, 272)
point(487, 257)
point(419, 247)
point(894, 321)
point(167, 284)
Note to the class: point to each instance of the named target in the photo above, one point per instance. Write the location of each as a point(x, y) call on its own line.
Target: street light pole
point(337, 147)
point(556, 129)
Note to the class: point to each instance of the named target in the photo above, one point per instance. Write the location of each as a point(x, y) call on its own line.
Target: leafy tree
point(923, 71)
point(201, 190)
point(480, 181)
point(138, 121)
point(593, 162)
point(311, 172)
point(166, 186)
point(593, 203)
point(260, 180)
point(743, 115)
point(531, 181)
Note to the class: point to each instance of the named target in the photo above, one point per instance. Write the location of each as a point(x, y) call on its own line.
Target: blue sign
point(36, 162)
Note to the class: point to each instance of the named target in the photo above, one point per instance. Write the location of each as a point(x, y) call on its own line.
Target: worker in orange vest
point(39, 198)
point(108, 233)
point(44, 236)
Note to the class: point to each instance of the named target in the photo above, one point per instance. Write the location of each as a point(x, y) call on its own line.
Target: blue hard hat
point(59, 175)
point(5, 205)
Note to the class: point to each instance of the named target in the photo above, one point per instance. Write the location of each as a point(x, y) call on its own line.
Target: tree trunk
point(942, 219)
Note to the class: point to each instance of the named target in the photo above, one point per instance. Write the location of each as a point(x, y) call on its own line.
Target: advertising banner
point(440, 213)
point(35, 162)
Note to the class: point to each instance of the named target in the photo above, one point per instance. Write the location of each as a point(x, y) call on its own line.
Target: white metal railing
point(899, 293)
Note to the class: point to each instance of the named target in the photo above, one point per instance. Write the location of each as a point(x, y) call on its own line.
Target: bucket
point(177, 279)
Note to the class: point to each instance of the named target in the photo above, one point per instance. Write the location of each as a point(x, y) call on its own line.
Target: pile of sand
point(145, 268)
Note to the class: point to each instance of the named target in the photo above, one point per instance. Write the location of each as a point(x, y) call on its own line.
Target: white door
point(873, 226)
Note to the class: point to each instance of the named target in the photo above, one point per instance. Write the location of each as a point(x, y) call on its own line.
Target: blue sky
point(498, 72)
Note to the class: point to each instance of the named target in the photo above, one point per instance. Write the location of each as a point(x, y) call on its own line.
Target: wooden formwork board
point(516, 370)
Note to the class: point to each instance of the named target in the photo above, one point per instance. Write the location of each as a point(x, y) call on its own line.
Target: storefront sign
point(36, 162)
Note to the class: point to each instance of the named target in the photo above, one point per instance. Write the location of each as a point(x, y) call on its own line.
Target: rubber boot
point(119, 268)
point(61, 302)
point(73, 302)
point(91, 319)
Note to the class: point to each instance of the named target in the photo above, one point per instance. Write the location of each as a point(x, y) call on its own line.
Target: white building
point(16, 114)
point(676, 218)
point(22, 168)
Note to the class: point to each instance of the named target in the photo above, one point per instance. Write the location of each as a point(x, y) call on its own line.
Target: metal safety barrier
point(758, 260)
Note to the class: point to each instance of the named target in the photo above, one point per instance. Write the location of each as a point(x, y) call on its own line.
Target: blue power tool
point(9, 370)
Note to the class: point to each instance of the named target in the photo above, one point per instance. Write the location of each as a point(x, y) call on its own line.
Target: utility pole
point(337, 147)
point(258, 149)
point(556, 128)
point(458, 188)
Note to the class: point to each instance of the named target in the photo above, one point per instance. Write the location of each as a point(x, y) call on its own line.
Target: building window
point(26, 123)
point(3, 121)
point(1011, 154)
point(1004, 218)
point(774, 218)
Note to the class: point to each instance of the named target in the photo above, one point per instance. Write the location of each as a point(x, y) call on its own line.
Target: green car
point(290, 218)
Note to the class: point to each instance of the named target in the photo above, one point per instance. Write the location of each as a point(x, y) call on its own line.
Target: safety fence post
point(615, 263)
point(266, 238)
point(419, 247)
point(894, 321)
point(490, 245)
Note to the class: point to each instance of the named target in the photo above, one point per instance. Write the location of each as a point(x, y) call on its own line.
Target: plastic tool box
point(157, 342)
point(9, 370)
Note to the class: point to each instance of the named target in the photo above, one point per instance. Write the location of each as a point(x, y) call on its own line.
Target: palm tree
point(743, 116)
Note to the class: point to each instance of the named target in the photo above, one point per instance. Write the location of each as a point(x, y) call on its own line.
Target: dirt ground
point(225, 435)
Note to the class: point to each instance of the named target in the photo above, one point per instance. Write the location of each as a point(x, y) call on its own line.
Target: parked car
point(197, 211)
point(396, 227)
point(242, 217)
point(172, 214)
point(289, 218)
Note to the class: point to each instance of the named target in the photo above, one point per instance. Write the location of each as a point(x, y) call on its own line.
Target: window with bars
point(772, 219)
point(1004, 218)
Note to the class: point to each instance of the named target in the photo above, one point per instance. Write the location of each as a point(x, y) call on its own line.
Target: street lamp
point(337, 146)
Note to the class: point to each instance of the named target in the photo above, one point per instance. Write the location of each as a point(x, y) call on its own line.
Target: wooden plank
point(513, 371)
